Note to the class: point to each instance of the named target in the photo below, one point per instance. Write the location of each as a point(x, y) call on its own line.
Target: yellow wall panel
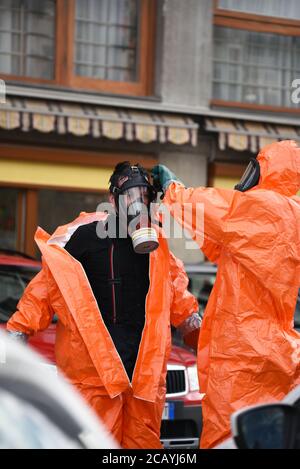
point(54, 174)
point(225, 182)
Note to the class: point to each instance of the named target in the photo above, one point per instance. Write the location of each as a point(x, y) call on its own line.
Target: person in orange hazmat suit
point(115, 301)
point(248, 350)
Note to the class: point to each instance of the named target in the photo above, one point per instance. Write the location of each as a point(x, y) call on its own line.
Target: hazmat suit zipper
point(91, 290)
point(146, 301)
point(112, 284)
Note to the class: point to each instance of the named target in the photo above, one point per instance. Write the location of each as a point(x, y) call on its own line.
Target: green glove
point(162, 177)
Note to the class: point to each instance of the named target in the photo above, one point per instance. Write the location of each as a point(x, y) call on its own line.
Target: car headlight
point(193, 378)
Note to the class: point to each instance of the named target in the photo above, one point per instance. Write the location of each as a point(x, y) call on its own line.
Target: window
point(256, 54)
point(27, 38)
point(277, 8)
point(113, 45)
point(255, 68)
point(105, 45)
point(57, 208)
point(107, 39)
point(8, 218)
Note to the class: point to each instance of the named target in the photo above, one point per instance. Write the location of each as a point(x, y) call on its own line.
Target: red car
point(182, 418)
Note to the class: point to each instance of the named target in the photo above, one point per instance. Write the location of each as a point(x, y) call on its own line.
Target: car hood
point(182, 356)
point(17, 261)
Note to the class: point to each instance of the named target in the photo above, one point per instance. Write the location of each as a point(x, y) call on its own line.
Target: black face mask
point(133, 199)
point(250, 177)
point(133, 177)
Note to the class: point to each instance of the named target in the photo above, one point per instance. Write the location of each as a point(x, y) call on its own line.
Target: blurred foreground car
point(182, 417)
point(38, 409)
point(267, 426)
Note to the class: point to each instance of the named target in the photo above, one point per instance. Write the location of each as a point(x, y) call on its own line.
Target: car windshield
point(13, 281)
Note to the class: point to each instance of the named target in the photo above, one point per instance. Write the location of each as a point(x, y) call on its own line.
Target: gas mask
point(132, 199)
point(250, 177)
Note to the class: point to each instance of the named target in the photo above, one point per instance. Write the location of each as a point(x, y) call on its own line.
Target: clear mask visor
point(135, 200)
point(250, 177)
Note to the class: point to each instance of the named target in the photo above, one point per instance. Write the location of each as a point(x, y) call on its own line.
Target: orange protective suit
point(248, 351)
point(84, 349)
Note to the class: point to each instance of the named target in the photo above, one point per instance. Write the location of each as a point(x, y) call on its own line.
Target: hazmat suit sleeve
point(34, 311)
point(203, 212)
point(221, 221)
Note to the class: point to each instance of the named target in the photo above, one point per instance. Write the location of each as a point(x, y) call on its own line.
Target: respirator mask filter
point(133, 205)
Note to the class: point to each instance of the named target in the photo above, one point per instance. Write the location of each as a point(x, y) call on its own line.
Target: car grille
point(176, 381)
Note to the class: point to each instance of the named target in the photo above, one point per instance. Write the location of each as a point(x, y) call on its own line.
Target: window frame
point(64, 73)
point(260, 24)
point(43, 81)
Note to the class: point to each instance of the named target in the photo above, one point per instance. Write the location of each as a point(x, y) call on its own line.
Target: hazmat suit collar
point(63, 233)
point(280, 168)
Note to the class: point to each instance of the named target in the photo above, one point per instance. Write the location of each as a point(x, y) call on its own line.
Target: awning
point(97, 122)
point(246, 135)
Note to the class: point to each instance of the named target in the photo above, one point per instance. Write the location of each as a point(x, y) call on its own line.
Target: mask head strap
point(133, 177)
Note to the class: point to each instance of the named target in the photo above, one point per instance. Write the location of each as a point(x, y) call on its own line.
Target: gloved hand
point(163, 177)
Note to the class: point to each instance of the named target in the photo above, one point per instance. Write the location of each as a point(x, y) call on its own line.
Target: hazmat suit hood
point(280, 168)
